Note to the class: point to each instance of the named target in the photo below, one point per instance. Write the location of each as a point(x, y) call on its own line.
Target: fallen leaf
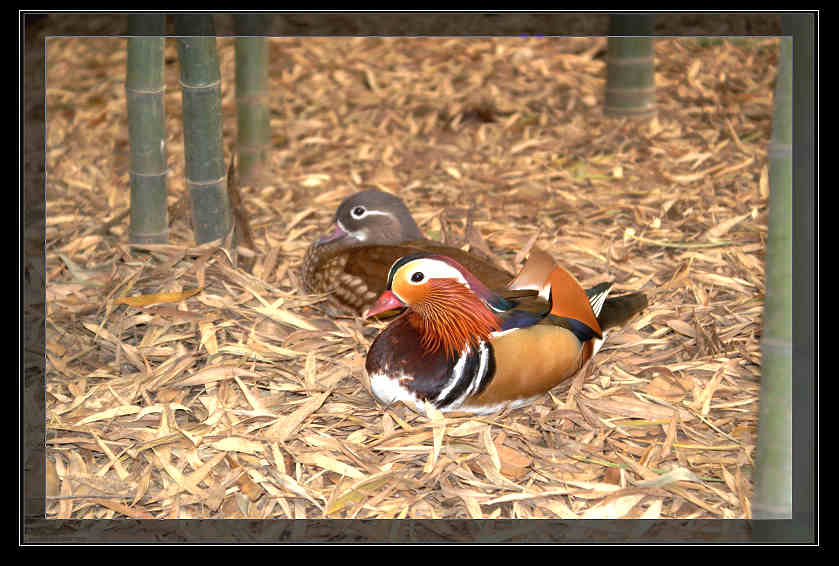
point(120, 411)
point(246, 485)
point(613, 508)
point(676, 474)
point(514, 464)
point(287, 317)
point(359, 491)
point(323, 461)
point(146, 300)
point(682, 327)
point(662, 388)
point(723, 227)
point(218, 373)
point(238, 444)
point(438, 432)
point(281, 430)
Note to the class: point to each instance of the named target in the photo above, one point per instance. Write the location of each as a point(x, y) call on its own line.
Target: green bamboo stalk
point(144, 94)
point(204, 152)
point(773, 473)
point(630, 66)
point(252, 112)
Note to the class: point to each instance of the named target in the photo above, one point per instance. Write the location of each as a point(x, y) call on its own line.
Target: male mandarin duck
point(372, 229)
point(463, 347)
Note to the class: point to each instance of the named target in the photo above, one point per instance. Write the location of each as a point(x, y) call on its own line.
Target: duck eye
point(358, 211)
point(417, 277)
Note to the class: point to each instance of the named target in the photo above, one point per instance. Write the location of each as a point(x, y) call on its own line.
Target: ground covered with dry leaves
point(242, 398)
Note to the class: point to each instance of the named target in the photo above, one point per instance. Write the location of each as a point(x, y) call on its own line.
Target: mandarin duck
point(372, 229)
point(462, 346)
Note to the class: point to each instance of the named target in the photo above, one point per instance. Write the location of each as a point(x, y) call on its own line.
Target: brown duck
point(371, 230)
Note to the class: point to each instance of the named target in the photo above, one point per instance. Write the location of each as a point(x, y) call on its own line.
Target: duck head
point(372, 217)
point(450, 308)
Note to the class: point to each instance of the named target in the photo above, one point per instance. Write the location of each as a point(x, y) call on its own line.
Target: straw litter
point(179, 385)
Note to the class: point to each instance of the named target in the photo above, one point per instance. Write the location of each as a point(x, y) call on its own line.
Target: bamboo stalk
point(204, 153)
point(144, 94)
point(630, 80)
point(252, 112)
point(773, 475)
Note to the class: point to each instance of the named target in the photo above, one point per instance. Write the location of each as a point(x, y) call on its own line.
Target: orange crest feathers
point(452, 317)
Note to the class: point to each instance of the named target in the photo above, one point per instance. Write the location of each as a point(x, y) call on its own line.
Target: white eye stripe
point(368, 212)
point(431, 269)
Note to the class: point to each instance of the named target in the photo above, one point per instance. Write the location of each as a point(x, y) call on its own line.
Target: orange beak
point(387, 301)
